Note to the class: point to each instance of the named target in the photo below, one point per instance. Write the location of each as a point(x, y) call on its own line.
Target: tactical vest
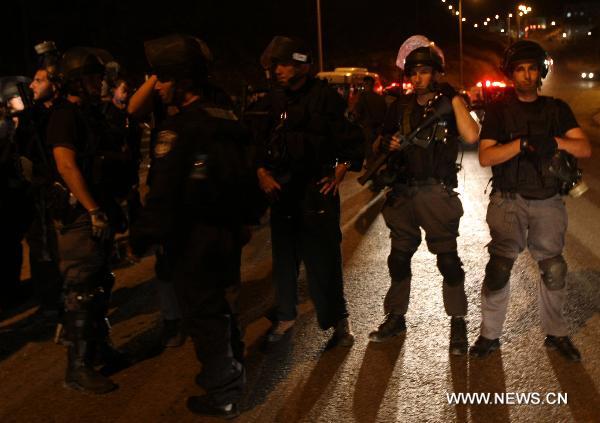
point(221, 184)
point(438, 160)
point(527, 175)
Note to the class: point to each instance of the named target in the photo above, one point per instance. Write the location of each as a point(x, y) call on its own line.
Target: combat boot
point(342, 334)
point(393, 325)
point(459, 343)
point(80, 375)
point(564, 346)
point(205, 406)
point(172, 333)
point(484, 347)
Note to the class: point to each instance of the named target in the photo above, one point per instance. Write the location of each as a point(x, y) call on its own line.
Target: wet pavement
point(406, 380)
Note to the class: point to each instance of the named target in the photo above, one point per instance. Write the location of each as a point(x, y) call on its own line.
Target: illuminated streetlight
point(475, 26)
point(450, 7)
point(465, 19)
point(497, 17)
point(485, 23)
point(590, 33)
point(502, 30)
point(488, 19)
point(564, 35)
point(457, 13)
point(510, 15)
point(553, 23)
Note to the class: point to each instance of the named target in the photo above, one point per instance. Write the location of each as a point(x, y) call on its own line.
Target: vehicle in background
point(349, 82)
point(396, 89)
point(590, 75)
point(485, 92)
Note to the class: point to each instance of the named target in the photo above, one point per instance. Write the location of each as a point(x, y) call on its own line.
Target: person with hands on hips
point(302, 158)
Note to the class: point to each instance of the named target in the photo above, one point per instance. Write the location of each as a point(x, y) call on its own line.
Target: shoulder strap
point(406, 112)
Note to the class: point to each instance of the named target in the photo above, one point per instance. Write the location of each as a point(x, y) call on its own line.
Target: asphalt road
point(407, 380)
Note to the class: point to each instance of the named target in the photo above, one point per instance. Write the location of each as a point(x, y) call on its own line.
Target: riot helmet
point(80, 61)
point(525, 51)
point(283, 49)
point(423, 56)
point(419, 50)
point(9, 87)
point(177, 57)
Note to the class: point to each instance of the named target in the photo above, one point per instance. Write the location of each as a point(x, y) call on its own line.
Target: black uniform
point(308, 134)
point(84, 260)
point(422, 196)
point(199, 200)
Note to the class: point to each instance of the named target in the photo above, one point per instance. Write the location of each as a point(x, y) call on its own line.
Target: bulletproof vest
point(438, 160)
point(527, 175)
point(220, 183)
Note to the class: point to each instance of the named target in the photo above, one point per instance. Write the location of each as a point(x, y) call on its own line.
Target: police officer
point(41, 237)
point(525, 137)
point(199, 202)
point(422, 194)
point(87, 217)
point(305, 156)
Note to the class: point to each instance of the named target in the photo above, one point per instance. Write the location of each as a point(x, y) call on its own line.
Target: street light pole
point(319, 36)
point(460, 43)
point(509, 34)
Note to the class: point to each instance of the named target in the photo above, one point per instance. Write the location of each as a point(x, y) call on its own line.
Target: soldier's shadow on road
point(487, 376)
point(16, 336)
point(579, 386)
point(378, 365)
point(265, 368)
point(460, 380)
point(305, 395)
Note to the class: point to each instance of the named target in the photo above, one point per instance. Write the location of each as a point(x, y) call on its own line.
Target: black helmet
point(178, 56)
point(424, 56)
point(9, 87)
point(285, 50)
point(525, 51)
point(79, 61)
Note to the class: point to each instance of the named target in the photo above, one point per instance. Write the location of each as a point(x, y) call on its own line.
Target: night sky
point(237, 32)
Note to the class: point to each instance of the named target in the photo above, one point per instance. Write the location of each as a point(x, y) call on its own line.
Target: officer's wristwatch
point(347, 163)
point(524, 144)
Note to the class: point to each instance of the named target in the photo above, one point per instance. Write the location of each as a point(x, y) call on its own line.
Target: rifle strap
point(408, 109)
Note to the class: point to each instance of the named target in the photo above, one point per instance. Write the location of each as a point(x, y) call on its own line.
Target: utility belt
point(511, 195)
point(412, 182)
point(410, 187)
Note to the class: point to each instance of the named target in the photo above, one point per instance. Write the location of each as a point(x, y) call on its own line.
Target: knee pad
point(497, 272)
point(399, 264)
point(554, 272)
point(451, 268)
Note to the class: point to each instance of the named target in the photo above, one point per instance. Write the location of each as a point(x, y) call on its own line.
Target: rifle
point(442, 106)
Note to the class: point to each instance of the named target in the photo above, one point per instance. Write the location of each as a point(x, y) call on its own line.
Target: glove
point(100, 225)
point(447, 90)
point(539, 145)
point(385, 144)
